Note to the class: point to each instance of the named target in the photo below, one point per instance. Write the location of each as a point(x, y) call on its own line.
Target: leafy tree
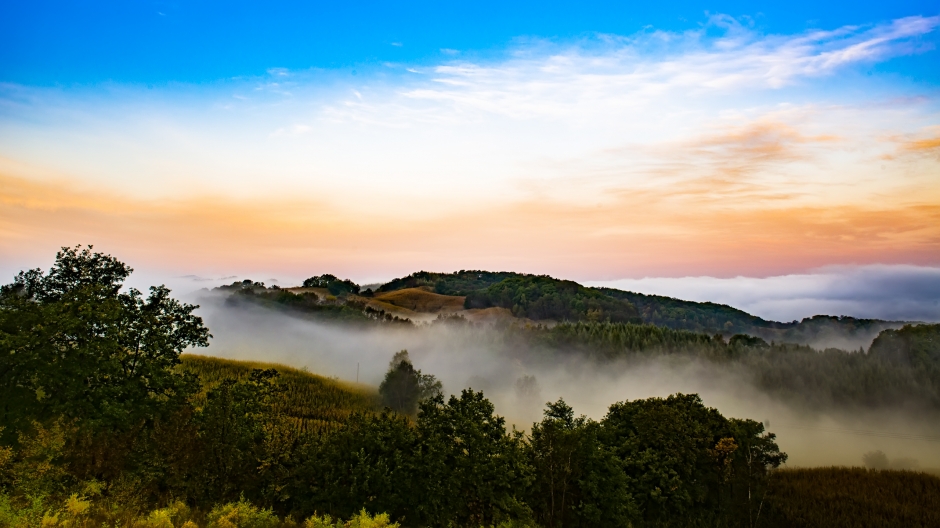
point(664, 447)
point(336, 286)
point(756, 454)
point(74, 345)
point(234, 426)
point(404, 387)
point(578, 480)
point(471, 471)
point(368, 464)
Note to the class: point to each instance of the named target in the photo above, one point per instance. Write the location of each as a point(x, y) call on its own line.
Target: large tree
point(74, 344)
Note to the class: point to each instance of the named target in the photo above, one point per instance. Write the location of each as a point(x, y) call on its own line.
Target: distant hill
point(482, 289)
point(504, 296)
point(822, 331)
point(458, 283)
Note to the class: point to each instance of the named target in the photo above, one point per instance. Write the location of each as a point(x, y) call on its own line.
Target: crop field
point(853, 497)
point(312, 403)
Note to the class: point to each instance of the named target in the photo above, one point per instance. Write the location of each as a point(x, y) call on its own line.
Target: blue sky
point(648, 143)
point(46, 42)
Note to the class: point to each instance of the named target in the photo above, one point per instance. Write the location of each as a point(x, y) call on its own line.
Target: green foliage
point(687, 315)
point(542, 297)
point(302, 303)
point(360, 520)
point(916, 346)
point(241, 514)
point(404, 386)
point(620, 340)
point(134, 440)
point(739, 341)
point(369, 463)
point(336, 286)
point(462, 282)
point(901, 366)
point(851, 497)
point(578, 481)
point(473, 470)
point(348, 310)
point(73, 345)
point(712, 318)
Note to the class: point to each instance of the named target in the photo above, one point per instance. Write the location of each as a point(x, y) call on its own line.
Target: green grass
point(311, 403)
point(852, 497)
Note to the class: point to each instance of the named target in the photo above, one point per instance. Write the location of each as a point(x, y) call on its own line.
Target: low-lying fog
point(460, 359)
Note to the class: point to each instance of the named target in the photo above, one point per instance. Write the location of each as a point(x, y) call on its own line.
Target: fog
point(519, 382)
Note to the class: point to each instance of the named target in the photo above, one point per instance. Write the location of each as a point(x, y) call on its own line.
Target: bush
point(241, 514)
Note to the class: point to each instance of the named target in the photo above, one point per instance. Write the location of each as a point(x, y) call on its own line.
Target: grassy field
point(313, 403)
point(421, 300)
point(852, 497)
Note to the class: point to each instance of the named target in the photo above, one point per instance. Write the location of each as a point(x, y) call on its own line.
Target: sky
point(692, 149)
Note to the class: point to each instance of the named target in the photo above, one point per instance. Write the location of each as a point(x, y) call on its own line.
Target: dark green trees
point(472, 471)
point(456, 466)
point(543, 297)
point(336, 286)
point(577, 479)
point(73, 345)
point(652, 462)
point(404, 386)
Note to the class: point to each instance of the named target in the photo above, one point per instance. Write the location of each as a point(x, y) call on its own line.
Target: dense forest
point(541, 297)
point(105, 422)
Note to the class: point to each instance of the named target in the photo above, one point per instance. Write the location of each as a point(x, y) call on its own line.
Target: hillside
point(504, 297)
point(822, 331)
point(312, 403)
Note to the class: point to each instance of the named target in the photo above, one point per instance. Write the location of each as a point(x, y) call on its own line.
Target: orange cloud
point(927, 144)
point(633, 234)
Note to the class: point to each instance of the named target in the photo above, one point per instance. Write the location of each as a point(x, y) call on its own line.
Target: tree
point(665, 445)
point(233, 425)
point(74, 345)
point(404, 387)
point(336, 286)
point(471, 472)
point(578, 480)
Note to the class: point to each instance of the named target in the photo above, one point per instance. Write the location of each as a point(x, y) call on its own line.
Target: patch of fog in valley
point(519, 382)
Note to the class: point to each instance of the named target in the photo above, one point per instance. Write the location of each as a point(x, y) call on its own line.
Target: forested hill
point(715, 318)
point(541, 297)
point(458, 283)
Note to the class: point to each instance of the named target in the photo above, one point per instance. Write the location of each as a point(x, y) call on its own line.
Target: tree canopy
point(75, 345)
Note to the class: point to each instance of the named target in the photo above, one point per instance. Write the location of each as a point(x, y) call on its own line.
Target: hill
point(821, 331)
point(527, 298)
point(311, 403)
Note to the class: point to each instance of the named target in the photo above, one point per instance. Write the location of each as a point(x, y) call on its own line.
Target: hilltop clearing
point(422, 300)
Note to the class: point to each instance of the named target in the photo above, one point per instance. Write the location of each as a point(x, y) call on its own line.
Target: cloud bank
point(898, 293)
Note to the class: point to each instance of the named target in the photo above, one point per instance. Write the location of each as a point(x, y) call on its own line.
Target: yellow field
point(312, 403)
point(421, 300)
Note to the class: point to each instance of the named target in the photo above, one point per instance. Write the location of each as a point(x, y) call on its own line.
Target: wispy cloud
point(612, 72)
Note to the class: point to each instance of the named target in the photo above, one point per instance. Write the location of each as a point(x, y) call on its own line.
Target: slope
point(311, 402)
